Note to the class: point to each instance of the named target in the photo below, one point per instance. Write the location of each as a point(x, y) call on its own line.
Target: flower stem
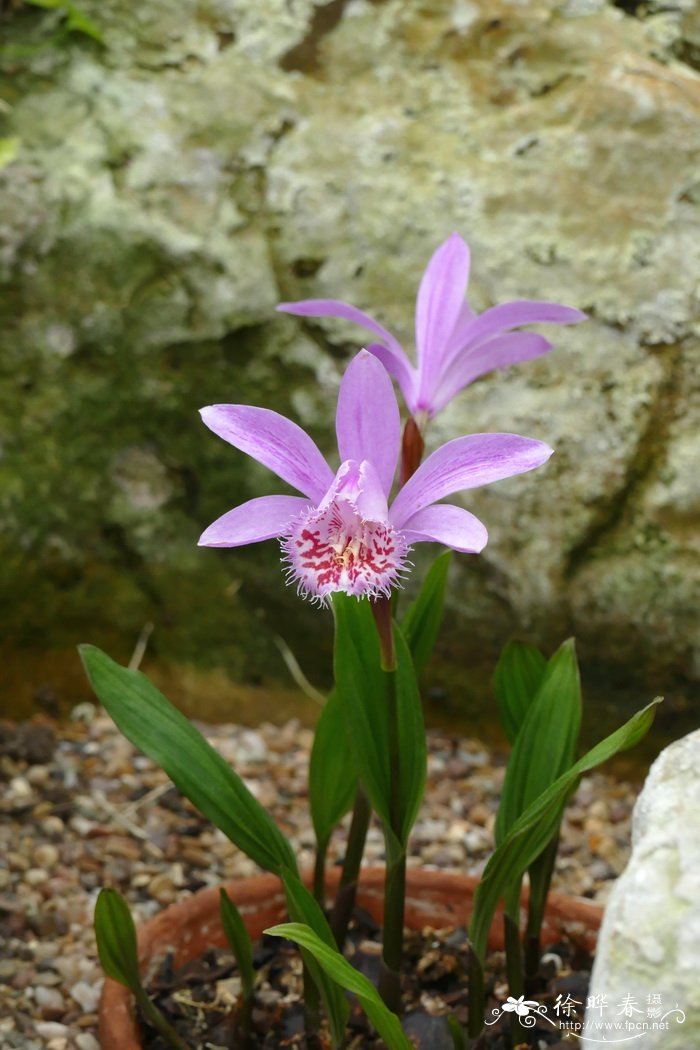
point(514, 956)
point(381, 610)
point(412, 447)
point(320, 872)
point(395, 879)
point(155, 1018)
point(392, 947)
point(347, 890)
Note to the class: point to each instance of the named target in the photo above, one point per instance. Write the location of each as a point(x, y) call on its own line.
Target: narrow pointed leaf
point(421, 621)
point(332, 771)
point(362, 688)
point(339, 969)
point(413, 758)
point(117, 948)
point(517, 678)
point(365, 692)
point(534, 828)
point(116, 940)
point(304, 908)
point(151, 722)
point(239, 940)
point(546, 742)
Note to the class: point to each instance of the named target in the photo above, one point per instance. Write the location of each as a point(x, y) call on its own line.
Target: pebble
point(20, 788)
point(57, 859)
point(52, 1029)
point(46, 855)
point(54, 1008)
point(86, 995)
point(16, 862)
point(38, 775)
point(35, 876)
point(86, 1041)
point(162, 888)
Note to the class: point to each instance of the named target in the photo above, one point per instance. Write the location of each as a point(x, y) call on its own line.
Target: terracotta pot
point(433, 898)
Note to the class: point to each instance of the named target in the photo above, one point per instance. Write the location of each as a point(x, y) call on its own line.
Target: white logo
point(604, 1021)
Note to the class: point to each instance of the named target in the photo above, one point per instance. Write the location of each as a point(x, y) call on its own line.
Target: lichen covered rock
point(169, 187)
point(648, 952)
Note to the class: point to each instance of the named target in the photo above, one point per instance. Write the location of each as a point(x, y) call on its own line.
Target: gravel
point(81, 809)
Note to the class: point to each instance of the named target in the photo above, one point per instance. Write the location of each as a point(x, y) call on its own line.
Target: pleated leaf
point(239, 940)
point(304, 908)
point(545, 746)
point(117, 948)
point(421, 621)
point(151, 722)
point(531, 832)
point(413, 756)
point(332, 770)
point(517, 678)
point(366, 694)
point(346, 976)
point(116, 940)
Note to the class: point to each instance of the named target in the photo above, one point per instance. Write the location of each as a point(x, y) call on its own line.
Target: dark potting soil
point(201, 1000)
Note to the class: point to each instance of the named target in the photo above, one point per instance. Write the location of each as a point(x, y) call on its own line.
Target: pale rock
point(86, 995)
point(649, 946)
point(86, 1041)
point(51, 1029)
point(48, 997)
point(170, 188)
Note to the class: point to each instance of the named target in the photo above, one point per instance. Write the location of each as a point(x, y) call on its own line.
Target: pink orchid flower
point(454, 345)
point(341, 534)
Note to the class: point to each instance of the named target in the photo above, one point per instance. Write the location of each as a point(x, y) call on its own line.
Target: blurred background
point(169, 172)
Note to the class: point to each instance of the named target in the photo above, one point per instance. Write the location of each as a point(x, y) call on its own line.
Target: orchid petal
point(337, 308)
point(466, 316)
point(359, 484)
point(367, 418)
point(259, 519)
point(466, 463)
point(439, 304)
point(499, 352)
point(398, 365)
point(519, 312)
point(447, 524)
point(390, 352)
point(274, 441)
point(371, 498)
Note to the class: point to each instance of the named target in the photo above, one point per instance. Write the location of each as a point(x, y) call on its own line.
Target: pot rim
point(431, 896)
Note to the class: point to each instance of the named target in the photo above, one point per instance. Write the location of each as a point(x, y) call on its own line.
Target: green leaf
point(118, 952)
point(534, 828)
point(304, 908)
point(332, 771)
point(239, 940)
point(367, 695)
point(412, 748)
point(9, 148)
point(362, 688)
point(156, 727)
point(116, 940)
point(546, 742)
point(78, 22)
point(421, 621)
point(457, 1033)
point(516, 680)
point(340, 970)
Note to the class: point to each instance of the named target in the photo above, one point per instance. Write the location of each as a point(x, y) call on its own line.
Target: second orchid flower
point(454, 345)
